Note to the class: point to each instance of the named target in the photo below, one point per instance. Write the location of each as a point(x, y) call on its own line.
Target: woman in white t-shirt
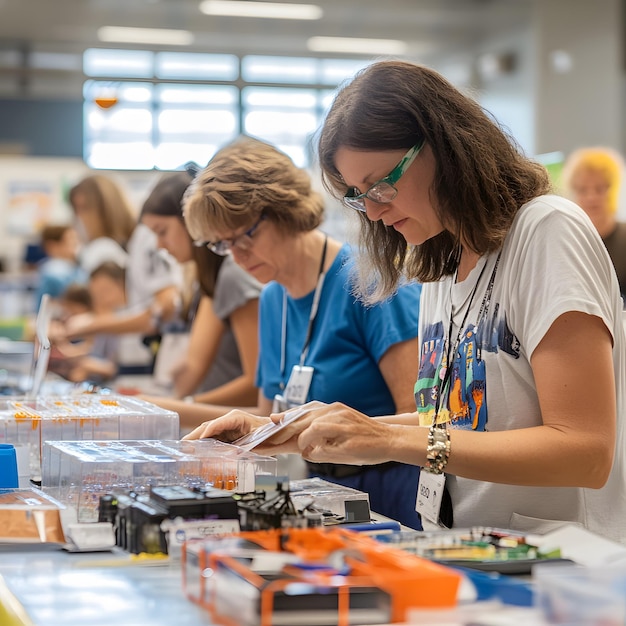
point(520, 390)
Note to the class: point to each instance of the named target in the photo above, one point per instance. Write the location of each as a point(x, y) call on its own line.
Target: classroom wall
point(52, 128)
point(580, 68)
point(33, 192)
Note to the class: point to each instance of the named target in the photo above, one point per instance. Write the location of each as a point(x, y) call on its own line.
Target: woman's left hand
point(336, 433)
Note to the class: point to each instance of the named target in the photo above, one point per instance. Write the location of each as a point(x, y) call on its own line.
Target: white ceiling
point(431, 27)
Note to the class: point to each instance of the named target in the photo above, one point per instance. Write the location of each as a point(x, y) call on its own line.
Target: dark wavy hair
point(481, 176)
point(166, 200)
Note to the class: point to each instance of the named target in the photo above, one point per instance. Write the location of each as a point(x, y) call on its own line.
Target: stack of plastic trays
point(78, 473)
point(94, 417)
point(82, 417)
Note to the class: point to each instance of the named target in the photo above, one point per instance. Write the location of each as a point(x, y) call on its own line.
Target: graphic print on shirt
point(463, 402)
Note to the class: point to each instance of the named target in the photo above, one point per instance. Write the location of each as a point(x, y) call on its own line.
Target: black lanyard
point(309, 331)
point(451, 350)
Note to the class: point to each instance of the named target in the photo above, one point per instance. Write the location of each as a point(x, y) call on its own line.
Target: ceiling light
point(159, 36)
point(357, 46)
point(275, 10)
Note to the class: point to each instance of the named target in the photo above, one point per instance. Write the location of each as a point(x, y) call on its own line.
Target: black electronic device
point(139, 520)
point(265, 510)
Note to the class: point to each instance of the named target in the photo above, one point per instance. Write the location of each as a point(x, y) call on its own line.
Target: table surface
point(57, 588)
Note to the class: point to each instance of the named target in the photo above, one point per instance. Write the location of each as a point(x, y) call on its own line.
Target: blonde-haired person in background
point(317, 341)
point(592, 178)
point(105, 221)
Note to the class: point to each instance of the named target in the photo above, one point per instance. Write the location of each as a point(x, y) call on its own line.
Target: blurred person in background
point(105, 221)
point(211, 348)
point(153, 279)
point(60, 267)
point(592, 178)
point(93, 359)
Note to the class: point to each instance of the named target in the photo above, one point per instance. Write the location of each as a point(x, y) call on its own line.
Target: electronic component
point(260, 511)
point(168, 516)
point(485, 548)
point(337, 504)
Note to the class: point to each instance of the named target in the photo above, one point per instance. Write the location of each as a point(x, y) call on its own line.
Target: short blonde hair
point(598, 159)
point(245, 179)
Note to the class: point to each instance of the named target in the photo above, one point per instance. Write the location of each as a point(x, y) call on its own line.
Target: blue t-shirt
point(55, 276)
point(348, 340)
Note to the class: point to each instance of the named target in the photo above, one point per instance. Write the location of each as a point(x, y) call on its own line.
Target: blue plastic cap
point(8, 467)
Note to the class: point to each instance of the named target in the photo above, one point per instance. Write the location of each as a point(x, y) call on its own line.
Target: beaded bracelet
point(438, 449)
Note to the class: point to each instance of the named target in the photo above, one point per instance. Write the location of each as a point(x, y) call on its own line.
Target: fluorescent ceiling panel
point(159, 36)
point(272, 10)
point(357, 46)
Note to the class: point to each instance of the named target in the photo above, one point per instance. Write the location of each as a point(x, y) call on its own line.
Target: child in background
point(93, 359)
point(60, 267)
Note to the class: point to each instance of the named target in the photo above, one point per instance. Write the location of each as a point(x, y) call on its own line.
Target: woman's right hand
point(229, 427)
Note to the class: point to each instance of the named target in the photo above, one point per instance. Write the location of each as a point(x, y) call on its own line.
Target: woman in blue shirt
point(317, 341)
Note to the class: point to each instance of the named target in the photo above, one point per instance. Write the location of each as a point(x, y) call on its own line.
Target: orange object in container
point(328, 575)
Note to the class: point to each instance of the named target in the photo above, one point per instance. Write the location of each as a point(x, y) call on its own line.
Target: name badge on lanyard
point(297, 389)
point(429, 495)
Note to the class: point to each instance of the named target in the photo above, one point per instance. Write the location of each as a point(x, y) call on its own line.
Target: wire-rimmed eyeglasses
point(382, 191)
point(242, 242)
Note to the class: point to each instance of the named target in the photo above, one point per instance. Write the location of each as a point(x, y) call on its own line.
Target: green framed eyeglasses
point(384, 190)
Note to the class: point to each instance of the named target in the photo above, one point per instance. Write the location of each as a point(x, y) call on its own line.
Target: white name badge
point(297, 389)
point(279, 404)
point(429, 495)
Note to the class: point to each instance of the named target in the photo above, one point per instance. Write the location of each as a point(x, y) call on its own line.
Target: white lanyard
point(309, 331)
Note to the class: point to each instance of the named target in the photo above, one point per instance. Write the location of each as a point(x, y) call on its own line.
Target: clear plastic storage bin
point(573, 595)
point(81, 417)
point(78, 473)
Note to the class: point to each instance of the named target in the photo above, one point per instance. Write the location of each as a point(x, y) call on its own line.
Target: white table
point(97, 589)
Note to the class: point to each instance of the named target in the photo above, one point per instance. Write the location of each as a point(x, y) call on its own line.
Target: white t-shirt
point(101, 250)
point(148, 270)
point(552, 262)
